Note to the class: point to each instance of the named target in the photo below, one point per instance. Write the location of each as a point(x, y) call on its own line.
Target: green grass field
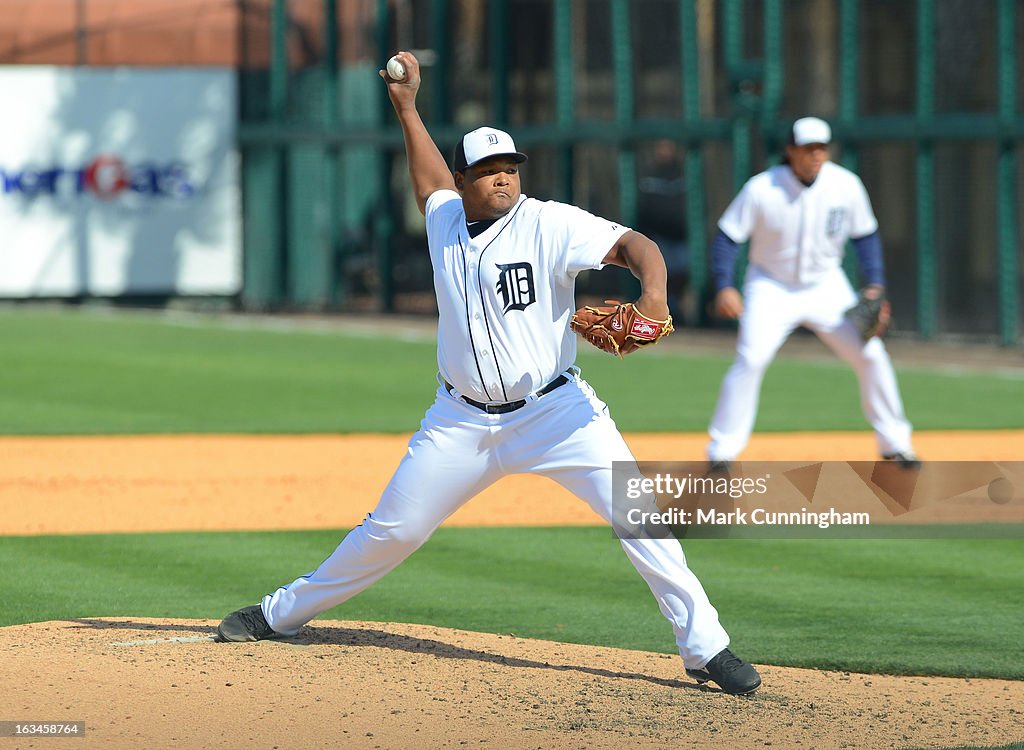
point(923, 607)
point(913, 607)
point(87, 373)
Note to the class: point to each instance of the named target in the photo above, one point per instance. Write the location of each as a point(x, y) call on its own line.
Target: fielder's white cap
point(810, 130)
point(482, 143)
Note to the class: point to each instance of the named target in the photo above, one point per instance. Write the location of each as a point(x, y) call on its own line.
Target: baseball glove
point(619, 328)
point(870, 315)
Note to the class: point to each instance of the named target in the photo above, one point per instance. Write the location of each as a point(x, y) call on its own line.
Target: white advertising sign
point(118, 182)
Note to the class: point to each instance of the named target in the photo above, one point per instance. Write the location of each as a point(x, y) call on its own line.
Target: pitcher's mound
point(140, 682)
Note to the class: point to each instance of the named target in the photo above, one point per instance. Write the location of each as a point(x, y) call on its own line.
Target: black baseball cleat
point(720, 466)
point(729, 672)
point(246, 624)
point(906, 459)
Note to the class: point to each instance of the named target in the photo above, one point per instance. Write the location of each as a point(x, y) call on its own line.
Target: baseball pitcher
point(509, 398)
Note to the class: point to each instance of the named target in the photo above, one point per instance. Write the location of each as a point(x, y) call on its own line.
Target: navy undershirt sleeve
point(723, 260)
point(869, 255)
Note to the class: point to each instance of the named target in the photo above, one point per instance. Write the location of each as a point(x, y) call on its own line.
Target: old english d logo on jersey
point(516, 286)
point(834, 222)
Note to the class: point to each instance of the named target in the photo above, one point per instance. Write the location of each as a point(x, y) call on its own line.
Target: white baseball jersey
point(505, 297)
point(797, 233)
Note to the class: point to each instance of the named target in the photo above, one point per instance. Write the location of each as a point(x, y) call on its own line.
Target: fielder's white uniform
point(797, 236)
point(504, 300)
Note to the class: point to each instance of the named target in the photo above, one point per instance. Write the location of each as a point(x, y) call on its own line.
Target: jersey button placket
point(485, 359)
point(803, 238)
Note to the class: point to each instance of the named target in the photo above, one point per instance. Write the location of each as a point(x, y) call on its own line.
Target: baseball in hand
point(395, 69)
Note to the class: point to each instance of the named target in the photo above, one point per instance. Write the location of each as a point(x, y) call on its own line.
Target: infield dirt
point(140, 682)
point(387, 685)
point(72, 485)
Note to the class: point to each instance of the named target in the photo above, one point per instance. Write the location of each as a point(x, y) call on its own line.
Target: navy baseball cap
point(483, 143)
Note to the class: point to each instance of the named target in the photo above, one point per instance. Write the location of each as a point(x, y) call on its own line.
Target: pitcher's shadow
point(329, 635)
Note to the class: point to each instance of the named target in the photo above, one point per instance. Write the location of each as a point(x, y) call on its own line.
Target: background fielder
point(798, 216)
point(509, 398)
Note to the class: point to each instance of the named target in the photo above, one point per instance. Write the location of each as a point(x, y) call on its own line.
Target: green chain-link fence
point(923, 96)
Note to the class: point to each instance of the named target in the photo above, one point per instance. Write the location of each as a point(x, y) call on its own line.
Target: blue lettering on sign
point(106, 177)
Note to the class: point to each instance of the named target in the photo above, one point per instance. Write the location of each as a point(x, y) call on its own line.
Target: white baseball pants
point(566, 435)
point(772, 311)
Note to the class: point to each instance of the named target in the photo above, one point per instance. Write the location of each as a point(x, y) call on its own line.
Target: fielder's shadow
point(335, 636)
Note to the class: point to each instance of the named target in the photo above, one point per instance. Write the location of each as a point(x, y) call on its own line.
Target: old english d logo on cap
point(484, 143)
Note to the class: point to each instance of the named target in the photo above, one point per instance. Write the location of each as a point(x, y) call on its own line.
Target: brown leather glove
point(871, 313)
point(619, 328)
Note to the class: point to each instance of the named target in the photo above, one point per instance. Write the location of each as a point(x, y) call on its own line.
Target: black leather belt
point(510, 405)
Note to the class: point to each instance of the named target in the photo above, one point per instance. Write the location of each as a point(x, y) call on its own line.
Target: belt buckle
point(506, 408)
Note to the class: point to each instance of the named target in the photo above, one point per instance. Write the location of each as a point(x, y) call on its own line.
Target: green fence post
point(279, 61)
point(440, 101)
point(311, 187)
point(849, 91)
point(771, 98)
point(261, 188)
point(849, 81)
point(732, 23)
point(383, 228)
point(564, 93)
point(330, 63)
point(265, 199)
point(622, 68)
point(925, 169)
point(695, 219)
point(498, 49)
point(1008, 272)
point(278, 114)
point(622, 64)
point(331, 289)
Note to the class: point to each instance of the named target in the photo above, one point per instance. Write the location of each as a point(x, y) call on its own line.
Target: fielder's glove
point(619, 328)
point(870, 315)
